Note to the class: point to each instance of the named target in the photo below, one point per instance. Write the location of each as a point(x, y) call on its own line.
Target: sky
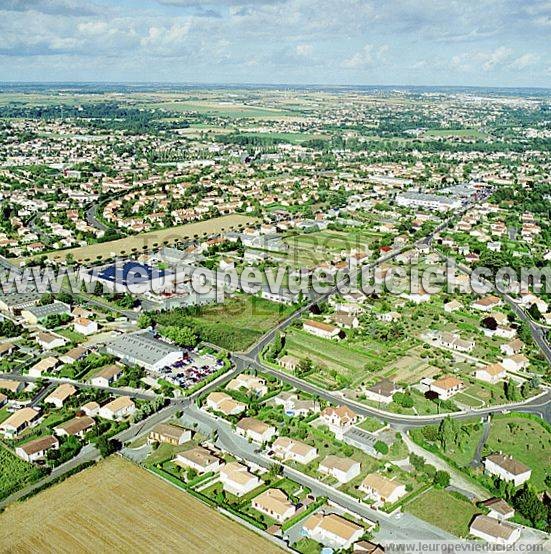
point(502, 43)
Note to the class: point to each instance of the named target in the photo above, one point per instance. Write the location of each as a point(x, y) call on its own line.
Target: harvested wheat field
point(116, 506)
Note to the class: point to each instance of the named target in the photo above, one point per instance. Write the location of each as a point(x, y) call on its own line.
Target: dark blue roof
point(130, 272)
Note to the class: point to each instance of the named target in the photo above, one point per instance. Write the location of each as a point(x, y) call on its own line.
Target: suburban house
point(295, 450)
point(85, 326)
point(76, 427)
point(492, 373)
point(250, 383)
point(222, 402)
point(507, 468)
point(332, 530)
point(200, 459)
point(516, 362)
point(43, 365)
point(256, 430)
point(342, 469)
point(453, 341)
point(339, 419)
point(107, 375)
point(446, 386)
point(288, 362)
point(118, 408)
point(36, 449)
point(275, 504)
point(513, 347)
point(17, 422)
point(49, 341)
point(236, 479)
point(367, 547)
point(73, 355)
point(169, 434)
point(452, 306)
point(322, 330)
point(499, 509)
point(487, 303)
point(294, 406)
point(381, 489)
point(382, 391)
point(91, 409)
point(345, 321)
point(12, 386)
point(494, 531)
point(7, 348)
point(58, 397)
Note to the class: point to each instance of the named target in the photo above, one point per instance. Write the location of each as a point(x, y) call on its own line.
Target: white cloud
point(495, 58)
point(304, 50)
point(366, 57)
point(524, 61)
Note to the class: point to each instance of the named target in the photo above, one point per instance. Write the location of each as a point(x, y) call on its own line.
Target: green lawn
point(307, 546)
point(526, 440)
point(444, 510)
point(371, 424)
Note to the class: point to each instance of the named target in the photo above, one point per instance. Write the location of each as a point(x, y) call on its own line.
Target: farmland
point(15, 473)
point(311, 249)
point(145, 241)
point(138, 511)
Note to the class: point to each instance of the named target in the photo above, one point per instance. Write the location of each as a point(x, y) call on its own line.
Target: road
point(79, 384)
point(459, 481)
point(540, 405)
point(92, 219)
point(477, 458)
point(537, 331)
point(407, 527)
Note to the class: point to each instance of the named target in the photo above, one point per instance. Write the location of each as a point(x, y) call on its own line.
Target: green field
point(227, 109)
point(467, 133)
point(444, 510)
point(15, 473)
point(525, 439)
point(235, 324)
point(347, 360)
point(314, 248)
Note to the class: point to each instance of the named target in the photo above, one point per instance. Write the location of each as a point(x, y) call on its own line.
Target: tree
point(448, 433)
point(304, 367)
point(535, 312)
point(182, 336)
point(403, 399)
point(526, 501)
point(381, 447)
point(441, 479)
point(108, 446)
point(416, 461)
point(512, 392)
point(144, 321)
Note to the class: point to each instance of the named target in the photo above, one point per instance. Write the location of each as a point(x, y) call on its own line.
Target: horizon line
point(260, 84)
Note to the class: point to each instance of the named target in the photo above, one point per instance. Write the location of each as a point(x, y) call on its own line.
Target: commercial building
point(144, 350)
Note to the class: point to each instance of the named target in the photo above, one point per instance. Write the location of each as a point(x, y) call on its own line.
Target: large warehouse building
point(143, 349)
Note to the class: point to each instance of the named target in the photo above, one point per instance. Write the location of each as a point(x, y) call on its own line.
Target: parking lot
point(191, 369)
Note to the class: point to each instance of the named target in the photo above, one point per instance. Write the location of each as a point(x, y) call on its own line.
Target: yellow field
point(119, 507)
point(138, 243)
